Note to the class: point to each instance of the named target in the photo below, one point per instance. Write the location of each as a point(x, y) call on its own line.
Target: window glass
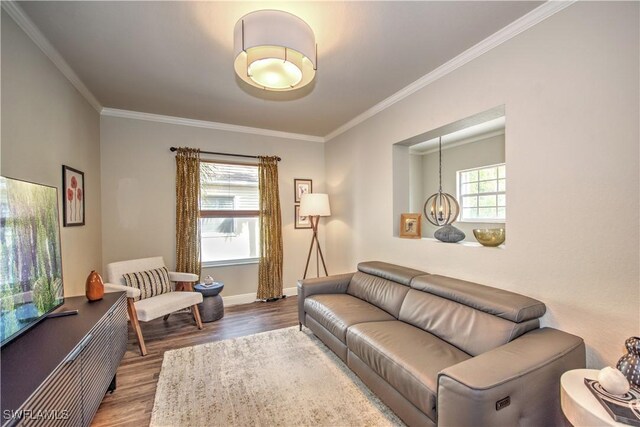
point(229, 200)
point(482, 192)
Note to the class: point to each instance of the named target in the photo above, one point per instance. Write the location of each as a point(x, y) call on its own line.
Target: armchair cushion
point(115, 270)
point(152, 308)
point(151, 282)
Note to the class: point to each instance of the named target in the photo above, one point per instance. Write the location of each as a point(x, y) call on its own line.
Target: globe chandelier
point(441, 208)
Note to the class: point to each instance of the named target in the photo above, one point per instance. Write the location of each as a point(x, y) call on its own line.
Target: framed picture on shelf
point(410, 226)
point(301, 186)
point(72, 196)
point(301, 221)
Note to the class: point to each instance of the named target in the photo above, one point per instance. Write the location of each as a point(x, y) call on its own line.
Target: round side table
point(579, 405)
point(211, 308)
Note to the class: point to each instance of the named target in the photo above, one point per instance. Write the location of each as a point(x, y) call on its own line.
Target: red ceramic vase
point(94, 287)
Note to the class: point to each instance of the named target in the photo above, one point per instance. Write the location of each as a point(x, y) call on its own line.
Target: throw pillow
point(151, 282)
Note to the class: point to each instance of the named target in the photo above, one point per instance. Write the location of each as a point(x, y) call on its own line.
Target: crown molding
point(27, 25)
point(525, 22)
point(136, 115)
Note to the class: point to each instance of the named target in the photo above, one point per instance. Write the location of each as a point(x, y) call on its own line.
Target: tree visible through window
point(229, 212)
point(482, 194)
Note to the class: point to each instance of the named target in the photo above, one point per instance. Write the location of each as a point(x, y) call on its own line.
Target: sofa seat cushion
point(337, 312)
point(408, 358)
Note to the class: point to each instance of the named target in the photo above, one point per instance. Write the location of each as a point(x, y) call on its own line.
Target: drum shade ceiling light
point(274, 50)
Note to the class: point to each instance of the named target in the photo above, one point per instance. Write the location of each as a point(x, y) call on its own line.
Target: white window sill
point(230, 262)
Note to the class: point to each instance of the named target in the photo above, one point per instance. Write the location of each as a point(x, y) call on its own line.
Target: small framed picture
point(301, 221)
point(302, 186)
point(73, 196)
point(410, 226)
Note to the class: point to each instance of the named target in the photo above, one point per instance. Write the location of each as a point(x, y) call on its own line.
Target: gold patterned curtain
point(270, 269)
point(188, 210)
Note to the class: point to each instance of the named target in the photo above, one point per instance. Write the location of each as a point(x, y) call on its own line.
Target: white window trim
point(459, 196)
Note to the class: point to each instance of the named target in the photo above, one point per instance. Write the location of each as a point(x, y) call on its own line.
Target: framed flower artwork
point(73, 196)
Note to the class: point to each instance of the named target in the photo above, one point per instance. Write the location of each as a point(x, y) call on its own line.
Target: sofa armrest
point(183, 277)
point(336, 284)
point(131, 292)
point(515, 384)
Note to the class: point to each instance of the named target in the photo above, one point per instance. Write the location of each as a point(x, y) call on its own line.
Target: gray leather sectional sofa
point(442, 351)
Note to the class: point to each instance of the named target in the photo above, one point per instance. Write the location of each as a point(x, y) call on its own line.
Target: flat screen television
point(30, 258)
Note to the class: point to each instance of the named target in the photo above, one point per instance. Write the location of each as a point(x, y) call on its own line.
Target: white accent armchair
point(151, 308)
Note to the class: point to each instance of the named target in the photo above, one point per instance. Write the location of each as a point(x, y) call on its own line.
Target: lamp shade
point(274, 50)
point(315, 204)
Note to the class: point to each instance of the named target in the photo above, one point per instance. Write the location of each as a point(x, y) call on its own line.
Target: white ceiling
point(175, 58)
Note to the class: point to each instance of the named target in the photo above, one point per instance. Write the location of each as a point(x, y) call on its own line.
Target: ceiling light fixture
point(274, 50)
point(441, 208)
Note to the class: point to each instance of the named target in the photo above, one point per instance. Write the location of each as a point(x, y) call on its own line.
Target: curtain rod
point(226, 154)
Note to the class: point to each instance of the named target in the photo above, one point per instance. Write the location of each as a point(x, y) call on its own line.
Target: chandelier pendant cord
point(440, 164)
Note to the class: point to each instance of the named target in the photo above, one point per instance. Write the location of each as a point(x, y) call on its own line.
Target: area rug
point(278, 378)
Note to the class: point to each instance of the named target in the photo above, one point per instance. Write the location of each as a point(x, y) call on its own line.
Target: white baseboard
point(247, 298)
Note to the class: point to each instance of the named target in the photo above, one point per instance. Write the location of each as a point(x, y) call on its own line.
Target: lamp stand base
point(314, 240)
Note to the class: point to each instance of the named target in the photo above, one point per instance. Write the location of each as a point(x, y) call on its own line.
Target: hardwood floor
point(132, 402)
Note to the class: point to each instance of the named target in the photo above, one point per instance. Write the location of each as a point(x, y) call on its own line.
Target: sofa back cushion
point(473, 317)
point(395, 273)
point(498, 302)
point(471, 330)
point(383, 285)
point(380, 292)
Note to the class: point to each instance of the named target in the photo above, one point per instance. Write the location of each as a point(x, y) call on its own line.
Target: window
point(482, 194)
point(229, 213)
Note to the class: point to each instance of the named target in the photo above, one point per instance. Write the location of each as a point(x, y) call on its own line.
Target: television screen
point(30, 259)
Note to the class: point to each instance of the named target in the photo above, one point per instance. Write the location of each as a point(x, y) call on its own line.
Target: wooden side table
point(579, 405)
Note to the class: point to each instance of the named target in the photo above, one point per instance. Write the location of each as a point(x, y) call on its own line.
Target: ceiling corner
point(17, 14)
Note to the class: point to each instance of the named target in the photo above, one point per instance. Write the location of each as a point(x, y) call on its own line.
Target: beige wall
point(484, 152)
point(138, 192)
point(571, 93)
point(46, 123)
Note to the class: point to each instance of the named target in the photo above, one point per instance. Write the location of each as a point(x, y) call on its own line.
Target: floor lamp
point(315, 205)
